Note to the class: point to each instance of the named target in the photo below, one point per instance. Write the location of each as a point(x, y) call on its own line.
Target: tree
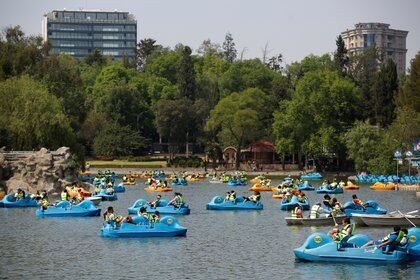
point(144, 49)
point(229, 50)
point(274, 63)
point(95, 57)
point(209, 48)
point(237, 120)
point(384, 92)
point(340, 56)
point(320, 110)
point(32, 116)
point(187, 85)
point(409, 93)
point(115, 140)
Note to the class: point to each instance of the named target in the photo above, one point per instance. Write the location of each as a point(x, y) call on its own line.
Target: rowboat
point(393, 219)
point(321, 221)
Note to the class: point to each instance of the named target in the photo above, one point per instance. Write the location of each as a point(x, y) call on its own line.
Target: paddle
point(335, 222)
point(406, 218)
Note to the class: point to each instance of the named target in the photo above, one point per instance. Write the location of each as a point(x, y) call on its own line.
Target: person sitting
point(97, 189)
point(341, 184)
point(316, 211)
point(328, 202)
point(337, 208)
point(43, 203)
point(342, 236)
point(110, 189)
point(143, 213)
point(297, 212)
point(333, 185)
point(65, 195)
point(36, 196)
point(301, 197)
point(256, 197)
point(390, 242)
point(20, 194)
point(232, 195)
point(124, 178)
point(177, 201)
point(111, 218)
point(155, 217)
point(155, 203)
point(358, 202)
point(287, 196)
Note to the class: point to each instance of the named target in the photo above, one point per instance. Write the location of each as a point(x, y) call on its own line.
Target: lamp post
point(409, 156)
point(397, 156)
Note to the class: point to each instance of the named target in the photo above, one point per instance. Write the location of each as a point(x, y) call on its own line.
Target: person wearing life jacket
point(297, 212)
point(232, 195)
point(316, 211)
point(337, 207)
point(111, 218)
point(177, 201)
point(64, 195)
point(124, 178)
point(155, 217)
point(328, 202)
point(256, 197)
point(143, 213)
point(341, 184)
point(20, 194)
point(301, 196)
point(392, 241)
point(342, 236)
point(357, 201)
point(43, 203)
point(154, 203)
point(98, 189)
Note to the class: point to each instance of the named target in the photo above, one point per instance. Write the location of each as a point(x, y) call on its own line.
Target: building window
point(369, 40)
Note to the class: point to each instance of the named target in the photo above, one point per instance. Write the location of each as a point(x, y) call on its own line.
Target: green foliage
point(384, 90)
point(187, 75)
point(32, 116)
point(114, 140)
point(229, 50)
point(341, 58)
point(192, 161)
point(409, 94)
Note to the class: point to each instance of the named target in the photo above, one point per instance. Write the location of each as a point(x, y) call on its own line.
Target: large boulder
point(37, 171)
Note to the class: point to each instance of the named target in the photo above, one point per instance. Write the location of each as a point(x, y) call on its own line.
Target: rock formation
point(36, 171)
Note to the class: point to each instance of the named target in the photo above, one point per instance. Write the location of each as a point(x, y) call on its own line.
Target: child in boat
point(297, 212)
point(342, 236)
point(154, 219)
point(230, 196)
point(337, 208)
point(110, 217)
point(43, 202)
point(155, 202)
point(357, 201)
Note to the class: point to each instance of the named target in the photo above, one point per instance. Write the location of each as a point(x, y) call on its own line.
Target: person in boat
point(143, 213)
point(110, 189)
point(256, 197)
point(125, 179)
point(390, 242)
point(337, 207)
point(297, 212)
point(44, 203)
point(333, 185)
point(357, 201)
point(301, 196)
point(230, 196)
point(153, 204)
point(20, 194)
point(342, 236)
point(328, 202)
point(288, 196)
point(64, 195)
point(341, 184)
point(97, 189)
point(154, 219)
point(177, 201)
point(111, 218)
point(316, 211)
point(36, 196)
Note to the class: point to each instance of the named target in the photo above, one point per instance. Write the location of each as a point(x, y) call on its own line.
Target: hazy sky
point(294, 28)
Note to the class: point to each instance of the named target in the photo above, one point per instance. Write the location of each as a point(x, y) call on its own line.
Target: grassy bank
point(126, 164)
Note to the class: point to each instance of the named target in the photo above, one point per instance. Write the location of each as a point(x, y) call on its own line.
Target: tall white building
point(391, 41)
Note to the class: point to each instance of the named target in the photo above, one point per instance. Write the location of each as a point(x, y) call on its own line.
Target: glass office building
point(78, 33)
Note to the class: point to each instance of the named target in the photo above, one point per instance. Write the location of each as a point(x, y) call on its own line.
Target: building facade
point(80, 32)
point(391, 41)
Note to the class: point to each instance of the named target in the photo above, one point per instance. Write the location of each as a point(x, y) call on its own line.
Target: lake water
point(218, 245)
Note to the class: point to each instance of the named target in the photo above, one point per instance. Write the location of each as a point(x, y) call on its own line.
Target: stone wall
point(36, 171)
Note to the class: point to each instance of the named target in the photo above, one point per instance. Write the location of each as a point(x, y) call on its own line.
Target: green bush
point(192, 161)
point(141, 158)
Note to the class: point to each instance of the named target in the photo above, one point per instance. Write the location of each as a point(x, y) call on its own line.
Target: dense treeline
point(335, 107)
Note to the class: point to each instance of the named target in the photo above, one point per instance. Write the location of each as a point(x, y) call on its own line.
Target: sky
point(294, 28)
